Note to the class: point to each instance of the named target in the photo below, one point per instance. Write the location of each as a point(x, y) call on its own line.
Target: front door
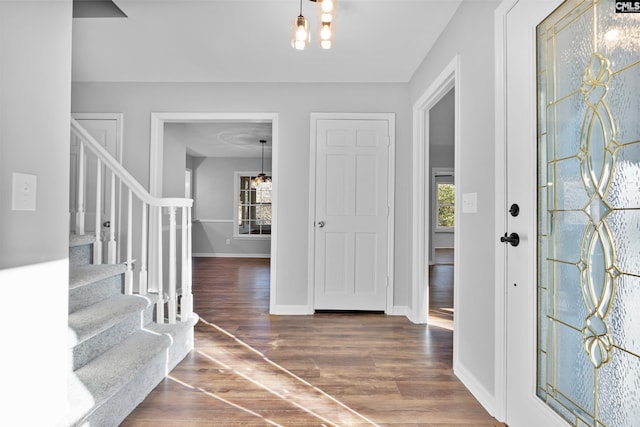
point(573, 282)
point(351, 214)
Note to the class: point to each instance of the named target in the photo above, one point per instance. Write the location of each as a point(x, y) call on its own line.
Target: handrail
point(155, 265)
point(123, 174)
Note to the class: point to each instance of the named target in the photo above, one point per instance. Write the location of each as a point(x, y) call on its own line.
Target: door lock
point(513, 239)
point(514, 210)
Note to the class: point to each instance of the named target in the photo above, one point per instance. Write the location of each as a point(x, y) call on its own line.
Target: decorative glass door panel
point(588, 76)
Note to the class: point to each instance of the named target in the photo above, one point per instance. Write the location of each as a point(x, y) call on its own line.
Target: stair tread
point(81, 239)
point(84, 274)
point(90, 321)
point(106, 374)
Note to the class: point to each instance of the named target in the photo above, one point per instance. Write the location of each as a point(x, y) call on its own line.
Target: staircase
point(119, 354)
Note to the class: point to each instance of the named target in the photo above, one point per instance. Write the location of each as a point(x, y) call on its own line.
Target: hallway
point(252, 369)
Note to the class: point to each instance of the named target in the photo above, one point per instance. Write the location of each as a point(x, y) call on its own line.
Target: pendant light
point(262, 177)
point(300, 36)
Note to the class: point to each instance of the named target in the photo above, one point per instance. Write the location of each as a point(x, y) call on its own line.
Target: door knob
point(321, 224)
point(513, 239)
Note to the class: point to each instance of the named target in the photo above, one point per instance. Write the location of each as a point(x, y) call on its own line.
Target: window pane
point(446, 205)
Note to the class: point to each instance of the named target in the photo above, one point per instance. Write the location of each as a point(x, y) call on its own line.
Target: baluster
point(128, 274)
point(143, 286)
point(186, 301)
point(81, 178)
point(112, 246)
point(97, 245)
point(172, 303)
point(161, 297)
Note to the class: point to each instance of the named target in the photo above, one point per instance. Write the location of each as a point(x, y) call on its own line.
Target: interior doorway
point(423, 249)
point(159, 149)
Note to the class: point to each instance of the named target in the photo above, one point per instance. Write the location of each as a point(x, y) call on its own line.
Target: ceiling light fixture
point(262, 177)
point(300, 36)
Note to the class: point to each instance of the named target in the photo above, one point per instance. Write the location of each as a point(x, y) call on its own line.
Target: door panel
point(351, 214)
point(575, 275)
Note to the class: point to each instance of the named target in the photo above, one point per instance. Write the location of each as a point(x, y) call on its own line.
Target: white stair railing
point(173, 304)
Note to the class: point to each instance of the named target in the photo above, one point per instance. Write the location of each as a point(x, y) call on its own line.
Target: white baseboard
point(225, 255)
point(486, 399)
point(400, 310)
point(291, 310)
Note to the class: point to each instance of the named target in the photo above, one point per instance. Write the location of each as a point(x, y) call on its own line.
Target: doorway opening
point(169, 130)
point(428, 153)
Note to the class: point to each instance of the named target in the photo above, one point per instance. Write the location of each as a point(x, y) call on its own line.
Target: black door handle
point(513, 239)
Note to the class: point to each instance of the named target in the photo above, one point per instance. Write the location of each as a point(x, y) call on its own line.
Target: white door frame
point(500, 352)
point(391, 118)
point(118, 117)
point(449, 78)
point(156, 158)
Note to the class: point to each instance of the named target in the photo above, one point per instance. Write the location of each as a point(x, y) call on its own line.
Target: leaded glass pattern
point(588, 76)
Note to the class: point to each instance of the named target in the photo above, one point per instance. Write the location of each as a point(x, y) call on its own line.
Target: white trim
point(391, 119)
point(500, 332)
point(482, 395)
point(156, 147)
point(228, 255)
point(400, 310)
point(290, 310)
point(449, 78)
point(118, 117)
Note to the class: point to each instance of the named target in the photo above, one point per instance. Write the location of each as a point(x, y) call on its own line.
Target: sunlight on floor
point(251, 365)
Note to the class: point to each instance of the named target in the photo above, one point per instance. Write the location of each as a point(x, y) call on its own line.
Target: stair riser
point(86, 351)
point(92, 293)
point(80, 255)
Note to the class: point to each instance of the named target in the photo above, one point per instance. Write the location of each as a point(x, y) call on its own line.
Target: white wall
point(35, 74)
point(293, 103)
point(441, 155)
point(174, 162)
point(215, 209)
point(470, 34)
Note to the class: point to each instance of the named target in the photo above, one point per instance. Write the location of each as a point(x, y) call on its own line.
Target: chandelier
point(300, 36)
point(262, 177)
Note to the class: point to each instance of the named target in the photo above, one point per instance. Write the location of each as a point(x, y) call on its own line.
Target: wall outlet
point(228, 241)
point(23, 196)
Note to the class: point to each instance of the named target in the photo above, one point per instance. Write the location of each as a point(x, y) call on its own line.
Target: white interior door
point(106, 132)
point(573, 158)
point(351, 214)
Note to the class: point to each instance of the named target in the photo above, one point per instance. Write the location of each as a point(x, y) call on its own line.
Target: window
point(446, 205)
point(444, 200)
point(253, 201)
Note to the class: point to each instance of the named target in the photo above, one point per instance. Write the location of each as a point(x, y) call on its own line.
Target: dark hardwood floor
point(249, 368)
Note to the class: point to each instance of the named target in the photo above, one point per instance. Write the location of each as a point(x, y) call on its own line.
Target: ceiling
point(248, 41)
point(223, 139)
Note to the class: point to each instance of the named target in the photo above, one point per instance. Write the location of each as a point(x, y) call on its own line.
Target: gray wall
point(293, 103)
point(441, 155)
point(215, 211)
point(35, 70)
point(470, 34)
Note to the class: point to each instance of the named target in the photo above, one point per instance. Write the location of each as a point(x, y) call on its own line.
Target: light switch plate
point(23, 196)
point(470, 203)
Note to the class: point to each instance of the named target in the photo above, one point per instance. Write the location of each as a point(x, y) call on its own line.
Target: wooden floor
point(331, 369)
point(441, 289)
